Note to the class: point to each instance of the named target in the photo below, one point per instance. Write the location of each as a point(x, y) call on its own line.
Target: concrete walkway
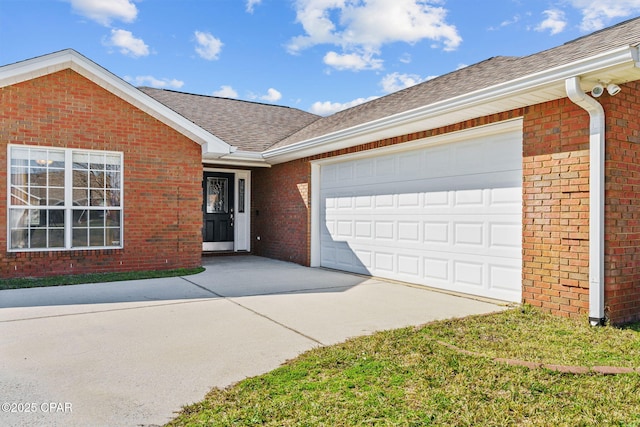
point(133, 353)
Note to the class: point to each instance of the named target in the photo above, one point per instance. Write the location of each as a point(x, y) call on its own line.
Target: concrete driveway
point(133, 353)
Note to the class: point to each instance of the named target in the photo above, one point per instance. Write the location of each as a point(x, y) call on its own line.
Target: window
point(64, 199)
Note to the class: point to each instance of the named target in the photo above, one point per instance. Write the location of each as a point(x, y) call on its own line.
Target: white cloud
point(555, 22)
point(207, 46)
point(105, 11)
point(596, 14)
point(396, 81)
point(127, 43)
point(226, 92)
point(514, 20)
point(352, 61)
point(405, 58)
point(272, 95)
point(327, 108)
point(365, 26)
point(155, 82)
point(251, 4)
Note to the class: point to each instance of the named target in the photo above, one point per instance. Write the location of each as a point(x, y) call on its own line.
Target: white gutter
point(596, 197)
point(533, 82)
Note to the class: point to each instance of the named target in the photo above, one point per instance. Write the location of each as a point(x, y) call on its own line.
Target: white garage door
point(446, 216)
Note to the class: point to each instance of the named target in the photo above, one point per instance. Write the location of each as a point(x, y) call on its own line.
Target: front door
point(217, 228)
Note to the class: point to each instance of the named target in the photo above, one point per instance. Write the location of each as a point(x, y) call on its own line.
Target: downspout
point(596, 197)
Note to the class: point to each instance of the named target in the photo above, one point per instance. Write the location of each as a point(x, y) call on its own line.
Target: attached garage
point(444, 212)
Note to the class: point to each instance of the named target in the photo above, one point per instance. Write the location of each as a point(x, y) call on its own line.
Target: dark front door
point(217, 229)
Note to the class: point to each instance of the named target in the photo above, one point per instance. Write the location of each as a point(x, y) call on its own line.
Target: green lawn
point(408, 377)
point(29, 282)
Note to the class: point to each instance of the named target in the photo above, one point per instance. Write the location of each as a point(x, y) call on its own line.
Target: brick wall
point(622, 209)
point(555, 218)
point(162, 174)
point(556, 207)
point(280, 211)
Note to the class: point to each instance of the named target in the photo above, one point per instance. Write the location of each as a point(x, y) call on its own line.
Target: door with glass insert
point(218, 204)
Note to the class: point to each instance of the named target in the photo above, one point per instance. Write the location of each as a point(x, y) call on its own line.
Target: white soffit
point(618, 66)
point(70, 59)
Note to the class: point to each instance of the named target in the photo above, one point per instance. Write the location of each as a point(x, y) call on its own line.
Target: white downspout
point(596, 197)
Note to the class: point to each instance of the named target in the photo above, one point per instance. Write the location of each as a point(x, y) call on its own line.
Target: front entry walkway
point(132, 353)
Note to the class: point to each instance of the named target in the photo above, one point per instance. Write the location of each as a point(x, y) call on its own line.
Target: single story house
point(517, 178)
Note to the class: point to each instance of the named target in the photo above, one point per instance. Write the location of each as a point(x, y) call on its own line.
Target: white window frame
point(68, 206)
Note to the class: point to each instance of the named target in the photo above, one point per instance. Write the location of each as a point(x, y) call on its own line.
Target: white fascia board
point(492, 129)
point(626, 56)
point(70, 59)
point(239, 158)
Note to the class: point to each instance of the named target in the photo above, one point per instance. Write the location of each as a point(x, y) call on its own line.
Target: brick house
point(514, 178)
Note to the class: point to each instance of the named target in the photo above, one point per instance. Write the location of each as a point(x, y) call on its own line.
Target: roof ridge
point(217, 97)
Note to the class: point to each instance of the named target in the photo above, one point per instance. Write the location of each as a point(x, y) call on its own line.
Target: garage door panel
point(487, 235)
point(469, 273)
point(447, 216)
point(410, 163)
point(436, 270)
point(344, 229)
point(468, 198)
point(469, 234)
point(384, 262)
point(363, 202)
point(505, 277)
point(409, 265)
point(507, 196)
point(506, 236)
point(384, 201)
point(363, 229)
point(364, 169)
point(409, 231)
point(449, 203)
point(385, 167)
point(480, 156)
point(409, 200)
point(365, 261)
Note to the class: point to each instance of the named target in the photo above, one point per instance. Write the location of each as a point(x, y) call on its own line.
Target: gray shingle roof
point(257, 127)
point(250, 126)
point(481, 75)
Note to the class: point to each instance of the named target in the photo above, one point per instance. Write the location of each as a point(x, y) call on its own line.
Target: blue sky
point(316, 55)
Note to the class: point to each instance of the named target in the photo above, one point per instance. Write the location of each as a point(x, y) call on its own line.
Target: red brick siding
point(622, 209)
point(555, 264)
point(555, 218)
point(162, 174)
point(556, 207)
point(280, 211)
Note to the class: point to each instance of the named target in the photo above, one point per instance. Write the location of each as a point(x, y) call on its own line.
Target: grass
point(30, 282)
point(406, 377)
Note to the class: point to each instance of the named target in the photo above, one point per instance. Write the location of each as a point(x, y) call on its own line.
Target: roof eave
point(617, 65)
point(70, 59)
point(238, 158)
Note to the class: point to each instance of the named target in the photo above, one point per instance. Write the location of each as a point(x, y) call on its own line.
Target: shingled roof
point(250, 126)
point(485, 74)
point(258, 127)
